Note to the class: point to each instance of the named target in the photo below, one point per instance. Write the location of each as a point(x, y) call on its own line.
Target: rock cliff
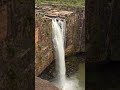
point(75, 33)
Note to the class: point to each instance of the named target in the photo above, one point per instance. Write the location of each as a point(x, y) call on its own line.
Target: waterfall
point(58, 37)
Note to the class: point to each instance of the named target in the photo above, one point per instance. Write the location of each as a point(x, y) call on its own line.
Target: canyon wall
point(75, 34)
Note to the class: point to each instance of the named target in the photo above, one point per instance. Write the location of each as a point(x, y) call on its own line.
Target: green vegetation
point(75, 3)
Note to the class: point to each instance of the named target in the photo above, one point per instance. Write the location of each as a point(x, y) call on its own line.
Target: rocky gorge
point(75, 33)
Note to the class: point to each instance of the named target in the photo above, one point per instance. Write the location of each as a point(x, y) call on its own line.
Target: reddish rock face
point(43, 85)
point(36, 37)
point(44, 48)
point(75, 40)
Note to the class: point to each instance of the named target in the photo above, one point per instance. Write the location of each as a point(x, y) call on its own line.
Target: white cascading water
point(58, 41)
point(58, 37)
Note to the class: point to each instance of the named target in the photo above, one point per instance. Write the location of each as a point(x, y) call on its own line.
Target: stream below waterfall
point(75, 72)
point(75, 79)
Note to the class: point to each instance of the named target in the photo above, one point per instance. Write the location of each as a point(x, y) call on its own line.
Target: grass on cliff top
point(74, 3)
